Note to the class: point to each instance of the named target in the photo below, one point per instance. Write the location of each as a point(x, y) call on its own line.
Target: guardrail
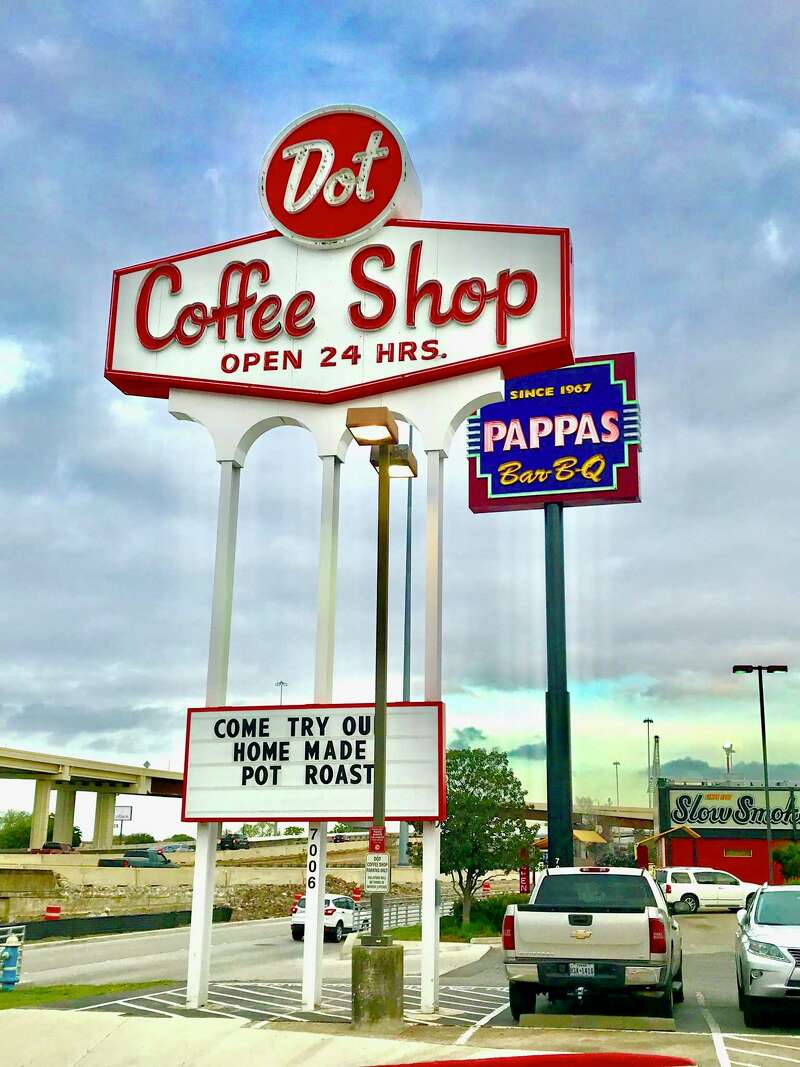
point(398, 913)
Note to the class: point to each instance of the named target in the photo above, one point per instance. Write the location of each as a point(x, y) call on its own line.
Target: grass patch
point(449, 930)
point(38, 996)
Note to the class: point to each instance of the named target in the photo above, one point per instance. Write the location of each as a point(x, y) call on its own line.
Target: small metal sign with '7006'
point(377, 873)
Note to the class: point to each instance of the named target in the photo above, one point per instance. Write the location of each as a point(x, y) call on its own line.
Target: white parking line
point(481, 1022)
point(769, 1055)
point(716, 1034)
point(761, 1041)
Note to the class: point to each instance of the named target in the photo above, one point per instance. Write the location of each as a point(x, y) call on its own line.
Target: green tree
point(181, 837)
point(15, 829)
point(482, 833)
point(294, 831)
point(137, 839)
point(259, 829)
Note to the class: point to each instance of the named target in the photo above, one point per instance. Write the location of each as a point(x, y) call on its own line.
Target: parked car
point(233, 841)
point(593, 930)
point(341, 917)
point(768, 951)
point(138, 857)
point(179, 846)
point(54, 846)
point(704, 887)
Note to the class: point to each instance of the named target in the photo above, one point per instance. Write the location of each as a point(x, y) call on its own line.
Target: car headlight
point(764, 948)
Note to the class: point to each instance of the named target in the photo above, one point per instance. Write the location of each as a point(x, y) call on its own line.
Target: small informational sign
point(123, 813)
point(377, 839)
point(524, 879)
point(569, 436)
point(486, 888)
point(309, 763)
point(377, 873)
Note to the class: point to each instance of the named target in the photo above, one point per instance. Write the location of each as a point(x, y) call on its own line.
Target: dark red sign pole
point(557, 729)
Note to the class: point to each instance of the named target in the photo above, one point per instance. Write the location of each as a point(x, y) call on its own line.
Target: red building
point(730, 823)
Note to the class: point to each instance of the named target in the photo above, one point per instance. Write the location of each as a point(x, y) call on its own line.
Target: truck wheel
point(297, 933)
point(664, 1004)
point(691, 901)
point(678, 994)
point(753, 1011)
point(521, 999)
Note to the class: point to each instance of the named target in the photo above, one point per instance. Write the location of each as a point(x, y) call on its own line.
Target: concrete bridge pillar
point(65, 814)
point(104, 820)
point(41, 812)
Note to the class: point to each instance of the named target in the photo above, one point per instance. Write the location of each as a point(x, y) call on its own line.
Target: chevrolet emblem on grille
point(581, 935)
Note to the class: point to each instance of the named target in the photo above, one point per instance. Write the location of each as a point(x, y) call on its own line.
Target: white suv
point(768, 952)
point(341, 917)
point(703, 887)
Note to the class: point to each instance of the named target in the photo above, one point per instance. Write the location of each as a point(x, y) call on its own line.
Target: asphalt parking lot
point(476, 996)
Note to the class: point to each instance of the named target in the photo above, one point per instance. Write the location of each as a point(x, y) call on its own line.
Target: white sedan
point(341, 916)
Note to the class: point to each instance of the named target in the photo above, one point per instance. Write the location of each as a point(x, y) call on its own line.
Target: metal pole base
point(377, 984)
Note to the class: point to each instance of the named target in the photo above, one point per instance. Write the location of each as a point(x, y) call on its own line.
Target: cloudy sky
point(666, 137)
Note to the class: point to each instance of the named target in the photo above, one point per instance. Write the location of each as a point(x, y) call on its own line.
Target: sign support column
point(559, 751)
point(316, 858)
point(431, 834)
point(216, 695)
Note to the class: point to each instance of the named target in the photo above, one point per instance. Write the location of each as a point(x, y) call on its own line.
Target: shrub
point(789, 859)
point(489, 911)
point(137, 839)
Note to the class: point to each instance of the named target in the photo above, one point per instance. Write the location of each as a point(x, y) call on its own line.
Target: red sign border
point(440, 722)
point(627, 491)
point(548, 355)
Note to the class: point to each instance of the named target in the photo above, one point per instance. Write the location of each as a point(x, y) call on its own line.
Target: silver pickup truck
point(593, 930)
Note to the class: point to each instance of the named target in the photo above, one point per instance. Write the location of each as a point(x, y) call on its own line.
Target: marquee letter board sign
point(568, 436)
point(311, 762)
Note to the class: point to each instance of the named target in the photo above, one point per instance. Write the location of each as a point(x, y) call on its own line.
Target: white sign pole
point(323, 692)
point(433, 691)
point(216, 693)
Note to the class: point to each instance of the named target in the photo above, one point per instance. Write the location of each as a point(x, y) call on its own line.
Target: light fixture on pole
point(377, 427)
point(773, 668)
point(282, 686)
point(648, 723)
point(728, 749)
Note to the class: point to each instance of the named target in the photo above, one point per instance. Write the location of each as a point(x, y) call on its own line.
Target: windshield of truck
point(779, 909)
point(594, 892)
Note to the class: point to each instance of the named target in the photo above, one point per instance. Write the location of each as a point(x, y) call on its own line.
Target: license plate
point(581, 970)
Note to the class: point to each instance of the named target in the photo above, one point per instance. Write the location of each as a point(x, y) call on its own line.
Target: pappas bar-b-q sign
point(349, 296)
point(311, 762)
point(569, 436)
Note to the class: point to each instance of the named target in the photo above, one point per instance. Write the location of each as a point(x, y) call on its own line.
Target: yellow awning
point(589, 837)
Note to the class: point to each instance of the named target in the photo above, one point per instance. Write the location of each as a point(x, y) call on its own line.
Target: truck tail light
point(329, 911)
point(508, 932)
point(658, 937)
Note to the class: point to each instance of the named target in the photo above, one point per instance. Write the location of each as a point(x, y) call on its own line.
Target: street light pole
point(616, 771)
point(648, 723)
point(748, 668)
point(281, 686)
point(402, 842)
point(381, 653)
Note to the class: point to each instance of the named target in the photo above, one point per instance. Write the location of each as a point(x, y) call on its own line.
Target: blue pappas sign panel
point(568, 436)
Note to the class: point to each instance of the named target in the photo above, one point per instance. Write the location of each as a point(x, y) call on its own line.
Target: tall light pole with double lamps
point(648, 723)
point(377, 976)
point(773, 668)
point(616, 771)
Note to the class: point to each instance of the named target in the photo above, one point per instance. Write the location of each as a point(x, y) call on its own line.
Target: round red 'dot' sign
point(335, 176)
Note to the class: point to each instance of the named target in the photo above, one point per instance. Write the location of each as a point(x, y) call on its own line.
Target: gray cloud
point(691, 768)
point(535, 751)
point(468, 737)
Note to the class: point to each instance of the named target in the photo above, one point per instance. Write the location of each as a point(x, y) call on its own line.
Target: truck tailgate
point(582, 935)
